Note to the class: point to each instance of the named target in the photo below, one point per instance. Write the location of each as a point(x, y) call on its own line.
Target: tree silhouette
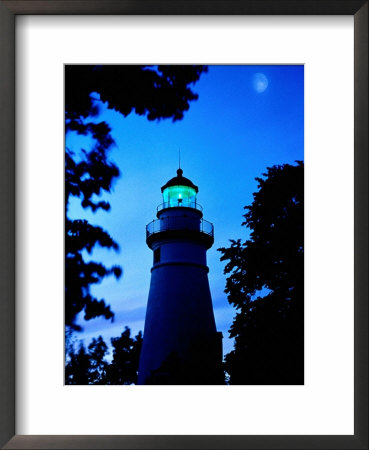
point(91, 367)
point(77, 367)
point(266, 283)
point(126, 353)
point(156, 92)
point(87, 367)
point(97, 350)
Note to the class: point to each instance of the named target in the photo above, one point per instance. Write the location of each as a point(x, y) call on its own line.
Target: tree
point(90, 175)
point(97, 350)
point(266, 283)
point(90, 366)
point(156, 92)
point(77, 367)
point(126, 353)
point(87, 367)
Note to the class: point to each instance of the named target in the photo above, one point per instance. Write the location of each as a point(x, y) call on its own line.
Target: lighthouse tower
point(181, 344)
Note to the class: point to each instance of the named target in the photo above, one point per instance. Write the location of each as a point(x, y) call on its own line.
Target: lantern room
point(179, 191)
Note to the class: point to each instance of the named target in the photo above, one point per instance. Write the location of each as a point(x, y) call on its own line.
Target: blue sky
point(246, 119)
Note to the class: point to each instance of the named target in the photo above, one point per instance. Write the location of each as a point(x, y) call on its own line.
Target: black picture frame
point(8, 12)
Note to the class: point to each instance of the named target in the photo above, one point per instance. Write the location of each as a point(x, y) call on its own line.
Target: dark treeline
point(266, 283)
point(89, 366)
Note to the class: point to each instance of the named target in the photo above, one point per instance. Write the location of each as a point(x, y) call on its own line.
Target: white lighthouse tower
point(181, 344)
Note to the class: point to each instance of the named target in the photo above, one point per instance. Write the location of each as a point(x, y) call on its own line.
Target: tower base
point(202, 367)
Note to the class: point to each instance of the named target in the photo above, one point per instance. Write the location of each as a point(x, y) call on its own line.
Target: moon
point(260, 82)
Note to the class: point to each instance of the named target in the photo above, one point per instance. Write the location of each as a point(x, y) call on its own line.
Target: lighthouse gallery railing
point(179, 223)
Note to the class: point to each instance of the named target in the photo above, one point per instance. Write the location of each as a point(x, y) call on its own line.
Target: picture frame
point(8, 11)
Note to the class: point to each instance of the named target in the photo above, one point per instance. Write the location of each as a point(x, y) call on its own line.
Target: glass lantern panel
point(179, 196)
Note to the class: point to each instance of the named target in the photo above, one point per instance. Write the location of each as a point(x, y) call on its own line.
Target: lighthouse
point(181, 344)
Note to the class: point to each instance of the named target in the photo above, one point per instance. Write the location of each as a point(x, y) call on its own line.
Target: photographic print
point(184, 224)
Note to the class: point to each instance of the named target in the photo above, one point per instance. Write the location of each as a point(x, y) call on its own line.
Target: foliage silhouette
point(77, 366)
point(97, 349)
point(266, 283)
point(90, 366)
point(126, 353)
point(156, 92)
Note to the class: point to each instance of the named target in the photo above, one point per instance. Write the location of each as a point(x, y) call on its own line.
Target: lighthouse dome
point(180, 180)
point(179, 191)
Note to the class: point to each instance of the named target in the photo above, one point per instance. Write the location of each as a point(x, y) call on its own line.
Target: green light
point(179, 196)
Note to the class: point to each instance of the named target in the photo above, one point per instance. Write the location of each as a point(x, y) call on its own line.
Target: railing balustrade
point(179, 223)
